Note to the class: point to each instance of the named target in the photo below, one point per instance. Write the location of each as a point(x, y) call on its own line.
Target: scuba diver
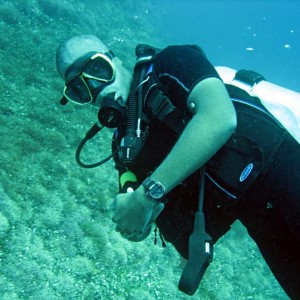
point(191, 157)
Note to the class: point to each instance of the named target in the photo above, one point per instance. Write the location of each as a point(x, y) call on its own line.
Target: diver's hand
point(134, 213)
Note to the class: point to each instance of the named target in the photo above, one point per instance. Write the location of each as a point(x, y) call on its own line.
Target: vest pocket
point(249, 151)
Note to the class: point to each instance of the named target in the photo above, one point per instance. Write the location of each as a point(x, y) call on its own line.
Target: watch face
point(157, 191)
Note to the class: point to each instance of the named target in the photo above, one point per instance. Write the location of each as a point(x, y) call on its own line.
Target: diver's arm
point(213, 122)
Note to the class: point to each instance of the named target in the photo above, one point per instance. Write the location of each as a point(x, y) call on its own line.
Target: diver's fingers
point(129, 234)
point(136, 236)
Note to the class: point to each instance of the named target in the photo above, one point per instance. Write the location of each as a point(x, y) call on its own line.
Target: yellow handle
point(127, 176)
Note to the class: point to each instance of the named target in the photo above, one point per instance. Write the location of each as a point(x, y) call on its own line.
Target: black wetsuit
point(270, 209)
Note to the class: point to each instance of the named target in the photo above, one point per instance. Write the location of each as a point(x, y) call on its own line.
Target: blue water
point(263, 36)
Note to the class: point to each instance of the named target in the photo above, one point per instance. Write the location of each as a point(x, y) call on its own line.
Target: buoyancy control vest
point(246, 154)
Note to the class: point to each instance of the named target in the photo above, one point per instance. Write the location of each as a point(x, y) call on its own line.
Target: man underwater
point(175, 140)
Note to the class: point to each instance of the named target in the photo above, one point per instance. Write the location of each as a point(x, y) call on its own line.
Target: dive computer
point(154, 190)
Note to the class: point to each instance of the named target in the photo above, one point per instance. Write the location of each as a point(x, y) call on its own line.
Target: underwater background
point(57, 240)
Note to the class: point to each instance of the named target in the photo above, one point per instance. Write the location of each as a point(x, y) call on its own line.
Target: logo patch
point(246, 172)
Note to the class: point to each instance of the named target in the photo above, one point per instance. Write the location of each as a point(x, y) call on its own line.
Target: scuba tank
point(281, 103)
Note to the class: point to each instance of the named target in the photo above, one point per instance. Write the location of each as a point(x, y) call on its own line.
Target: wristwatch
point(154, 190)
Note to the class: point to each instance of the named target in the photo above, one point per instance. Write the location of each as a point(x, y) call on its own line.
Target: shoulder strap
point(161, 108)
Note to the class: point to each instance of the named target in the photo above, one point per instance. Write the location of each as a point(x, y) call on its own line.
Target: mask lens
point(76, 90)
point(88, 76)
point(100, 69)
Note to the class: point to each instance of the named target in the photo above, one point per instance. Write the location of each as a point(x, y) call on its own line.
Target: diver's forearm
point(200, 140)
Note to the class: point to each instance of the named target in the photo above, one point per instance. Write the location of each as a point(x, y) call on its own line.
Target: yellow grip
point(127, 176)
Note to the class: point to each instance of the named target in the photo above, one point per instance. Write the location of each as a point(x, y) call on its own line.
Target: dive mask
point(87, 77)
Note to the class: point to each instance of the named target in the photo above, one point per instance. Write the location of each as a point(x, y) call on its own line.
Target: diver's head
point(91, 72)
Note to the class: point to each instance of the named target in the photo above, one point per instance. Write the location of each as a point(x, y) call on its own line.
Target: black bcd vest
point(247, 153)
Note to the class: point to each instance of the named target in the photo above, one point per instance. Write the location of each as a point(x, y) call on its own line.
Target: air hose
point(131, 143)
point(97, 127)
point(132, 103)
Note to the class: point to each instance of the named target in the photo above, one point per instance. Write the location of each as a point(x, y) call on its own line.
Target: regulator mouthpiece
point(111, 114)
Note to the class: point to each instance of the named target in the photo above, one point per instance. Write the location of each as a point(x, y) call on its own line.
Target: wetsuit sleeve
point(180, 68)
